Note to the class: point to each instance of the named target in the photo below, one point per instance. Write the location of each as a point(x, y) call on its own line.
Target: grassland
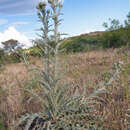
point(85, 70)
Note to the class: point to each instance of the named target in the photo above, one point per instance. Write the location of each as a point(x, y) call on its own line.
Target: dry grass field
point(85, 70)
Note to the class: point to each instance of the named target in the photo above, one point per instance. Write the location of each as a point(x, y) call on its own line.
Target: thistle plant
point(61, 108)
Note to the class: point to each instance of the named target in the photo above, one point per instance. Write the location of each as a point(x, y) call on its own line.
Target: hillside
point(82, 43)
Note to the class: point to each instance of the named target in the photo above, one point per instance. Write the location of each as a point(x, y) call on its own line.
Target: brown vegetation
point(85, 71)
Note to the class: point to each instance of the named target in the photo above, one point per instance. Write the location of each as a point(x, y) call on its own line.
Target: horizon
point(19, 21)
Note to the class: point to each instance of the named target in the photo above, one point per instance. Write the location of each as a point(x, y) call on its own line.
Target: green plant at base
point(1, 125)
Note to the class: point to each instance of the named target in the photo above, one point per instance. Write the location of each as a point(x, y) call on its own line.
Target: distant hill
point(94, 33)
point(82, 42)
point(91, 41)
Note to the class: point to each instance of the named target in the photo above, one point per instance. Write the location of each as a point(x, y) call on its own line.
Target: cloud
point(17, 6)
point(19, 23)
point(12, 33)
point(3, 21)
point(14, 7)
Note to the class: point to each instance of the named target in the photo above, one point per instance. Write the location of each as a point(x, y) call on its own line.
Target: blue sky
point(80, 16)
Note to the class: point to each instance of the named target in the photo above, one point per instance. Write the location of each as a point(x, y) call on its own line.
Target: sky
point(18, 18)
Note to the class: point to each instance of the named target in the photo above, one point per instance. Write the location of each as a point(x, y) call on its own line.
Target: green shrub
point(113, 39)
point(80, 43)
point(1, 56)
point(2, 126)
point(13, 58)
point(34, 51)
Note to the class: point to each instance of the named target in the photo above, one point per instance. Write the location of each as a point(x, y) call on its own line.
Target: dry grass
point(85, 71)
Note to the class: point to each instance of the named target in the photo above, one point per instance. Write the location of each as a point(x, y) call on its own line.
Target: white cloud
point(19, 23)
point(12, 33)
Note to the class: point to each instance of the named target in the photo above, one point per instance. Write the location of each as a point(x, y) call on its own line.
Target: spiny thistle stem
point(56, 13)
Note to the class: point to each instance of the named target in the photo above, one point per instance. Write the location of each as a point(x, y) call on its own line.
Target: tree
point(114, 25)
point(12, 49)
point(127, 22)
point(1, 55)
point(127, 30)
point(11, 45)
point(116, 34)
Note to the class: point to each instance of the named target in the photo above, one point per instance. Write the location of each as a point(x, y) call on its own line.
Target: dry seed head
point(41, 5)
point(56, 2)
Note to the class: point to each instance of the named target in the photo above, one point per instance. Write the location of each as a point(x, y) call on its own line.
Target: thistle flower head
point(50, 1)
point(60, 2)
point(41, 5)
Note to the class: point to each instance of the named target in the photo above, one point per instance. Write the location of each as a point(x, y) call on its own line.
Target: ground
point(85, 70)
